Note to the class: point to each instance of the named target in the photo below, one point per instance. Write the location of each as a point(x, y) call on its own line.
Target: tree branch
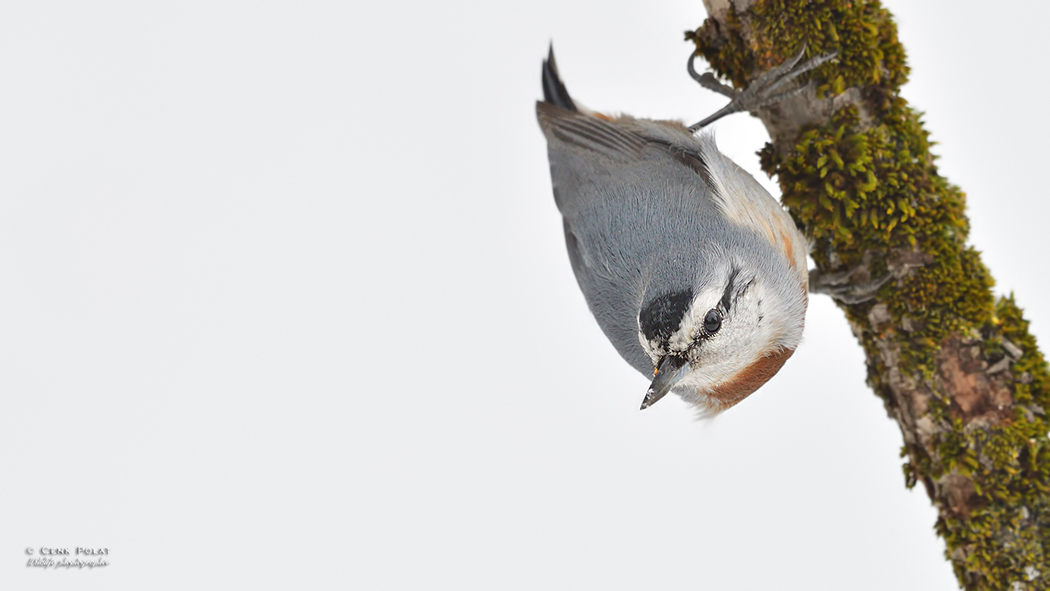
point(959, 372)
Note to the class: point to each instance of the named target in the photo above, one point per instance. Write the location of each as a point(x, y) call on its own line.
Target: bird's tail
point(554, 91)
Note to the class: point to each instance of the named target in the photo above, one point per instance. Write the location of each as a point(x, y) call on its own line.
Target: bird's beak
point(670, 371)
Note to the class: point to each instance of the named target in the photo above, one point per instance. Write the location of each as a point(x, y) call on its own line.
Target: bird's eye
point(712, 321)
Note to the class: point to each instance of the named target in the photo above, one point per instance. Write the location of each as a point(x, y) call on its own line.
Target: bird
point(694, 272)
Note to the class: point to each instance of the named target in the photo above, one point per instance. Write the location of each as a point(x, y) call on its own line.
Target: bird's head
point(716, 342)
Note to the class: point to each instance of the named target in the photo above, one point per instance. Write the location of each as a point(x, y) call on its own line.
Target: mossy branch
point(957, 370)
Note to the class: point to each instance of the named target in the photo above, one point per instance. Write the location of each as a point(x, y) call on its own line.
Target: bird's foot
point(841, 287)
point(770, 87)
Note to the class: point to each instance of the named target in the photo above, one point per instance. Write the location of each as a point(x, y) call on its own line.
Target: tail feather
point(554, 91)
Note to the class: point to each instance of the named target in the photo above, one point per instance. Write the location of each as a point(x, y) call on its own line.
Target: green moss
point(855, 192)
point(863, 34)
point(1009, 531)
point(724, 48)
point(867, 190)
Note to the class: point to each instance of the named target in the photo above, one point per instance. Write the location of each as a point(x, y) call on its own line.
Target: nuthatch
point(693, 271)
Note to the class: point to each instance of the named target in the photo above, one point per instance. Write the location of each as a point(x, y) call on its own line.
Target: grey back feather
point(640, 215)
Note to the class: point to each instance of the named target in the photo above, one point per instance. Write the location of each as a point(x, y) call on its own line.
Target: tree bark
point(958, 371)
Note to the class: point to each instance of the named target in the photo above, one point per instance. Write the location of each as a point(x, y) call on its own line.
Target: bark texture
point(958, 371)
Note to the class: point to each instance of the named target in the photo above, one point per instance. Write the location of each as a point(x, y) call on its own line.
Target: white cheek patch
point(745, 335)
point(654, 349)
point(683, 339)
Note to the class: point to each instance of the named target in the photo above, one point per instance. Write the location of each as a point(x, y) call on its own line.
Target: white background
point(284, 303)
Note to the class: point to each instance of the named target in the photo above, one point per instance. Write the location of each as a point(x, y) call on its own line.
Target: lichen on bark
point(959, 371)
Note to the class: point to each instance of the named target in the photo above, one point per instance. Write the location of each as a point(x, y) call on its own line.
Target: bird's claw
point(841, 289)
point(709, 81)
point(764, 90)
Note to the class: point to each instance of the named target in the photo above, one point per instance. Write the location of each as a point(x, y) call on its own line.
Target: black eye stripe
point(728, 293)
